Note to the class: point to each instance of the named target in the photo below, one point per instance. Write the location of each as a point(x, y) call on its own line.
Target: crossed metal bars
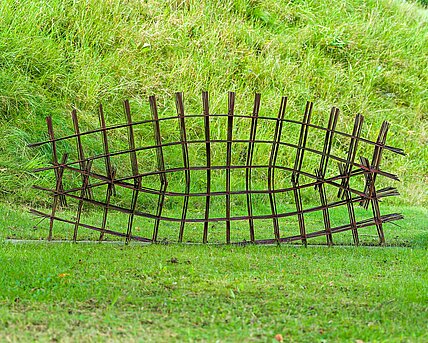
point(347, 169)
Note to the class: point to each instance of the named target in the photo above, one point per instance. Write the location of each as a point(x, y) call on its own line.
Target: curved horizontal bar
point(179, 169)
point(363, 223)
point(291, 121)
point(120, 182)
point(123, 152)
point(389, 191)
point(216, 219)
point(87, 226)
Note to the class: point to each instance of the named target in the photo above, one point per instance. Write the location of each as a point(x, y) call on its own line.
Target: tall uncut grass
point(366, 57)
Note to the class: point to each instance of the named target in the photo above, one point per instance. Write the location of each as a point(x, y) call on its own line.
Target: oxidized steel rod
point(109, 171)
point(206, 111)
point(85, 183)
point(216, 219)
point(80, 153)
point(291, 121)
point(272, 163)
point(347, 170)
point(183, 138)
point(161, 166)
point(87, 226)
point(59, 193)
point(231, 108)
point(135, 173)
point(121, 181)
point(328, 141)
point(377, 156)
point(190, 142)
point(250, 152)
point(51, 134)
point(297, 170)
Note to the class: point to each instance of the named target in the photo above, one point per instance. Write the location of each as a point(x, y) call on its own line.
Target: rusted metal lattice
point(344, 170)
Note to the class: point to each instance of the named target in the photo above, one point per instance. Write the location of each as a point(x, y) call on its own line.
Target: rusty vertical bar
point(107, 158)
point(325, 213)
point(320, 172)
point(134, 166)
point(206, 110)
point(231, 108)
point(52, 138)
point(80, 152)
point(370, 191)
point(134, 199)
point(378, 150)
point(297, 168)
point(185, 151)
point(109, 194)
point(350, 206)
point(85, 183)
point(57, 196)
point(328, 140)
point(368, 180)
point(346, 171)
point(377, 218)
point(109, 171)
point(161, 165)
point(248, 169)
point(377, 157)
point(51, 134)
point(352, 151)
point(272, 164)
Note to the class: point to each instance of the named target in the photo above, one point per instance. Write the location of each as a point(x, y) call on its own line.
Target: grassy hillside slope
point(366, 57)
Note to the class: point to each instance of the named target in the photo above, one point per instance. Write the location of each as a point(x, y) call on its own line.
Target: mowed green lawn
point(163, 293)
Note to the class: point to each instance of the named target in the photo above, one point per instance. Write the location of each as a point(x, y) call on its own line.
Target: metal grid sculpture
point(348, 168)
